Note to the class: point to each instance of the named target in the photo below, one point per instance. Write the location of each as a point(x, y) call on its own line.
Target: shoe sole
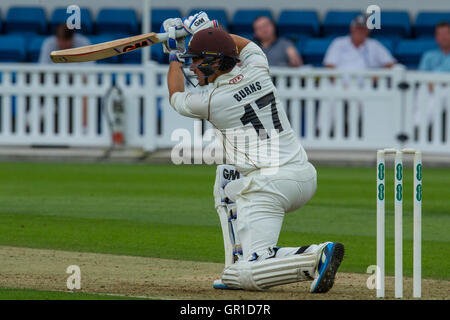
point(327, 281)
point(223, 286)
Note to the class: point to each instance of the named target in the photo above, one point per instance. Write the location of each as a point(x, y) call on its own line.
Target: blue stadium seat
point(293, 24)
point(242, 22)
point(300, 38)
point(12, 48)
point(426, 22)
point(338, 22)
point(120, 22)
point(216, 14)
point(94, 39)
point(135, 57)
point(158, 54)
point(245, 35)
point(159, 15)
point(314, 50)
point(26, 20)
point(300, 43)
point(34, 48)
point(392, 38)
point(409, 52)
point(393, 23)
point(388, 43)
point(60, 16)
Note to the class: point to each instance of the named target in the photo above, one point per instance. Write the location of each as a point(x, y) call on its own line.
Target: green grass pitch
point(29, 294)
point(167, 211)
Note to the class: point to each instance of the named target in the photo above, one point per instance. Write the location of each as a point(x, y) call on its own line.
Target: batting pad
point(228, 242)
point(227, 212)
point(260, 275)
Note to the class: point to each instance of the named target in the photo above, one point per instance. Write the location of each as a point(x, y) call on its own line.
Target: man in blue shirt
point(438, 59)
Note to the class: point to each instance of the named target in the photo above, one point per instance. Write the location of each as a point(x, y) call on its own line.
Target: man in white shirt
point(354, 52)
point(357, 50)
point(241, 102)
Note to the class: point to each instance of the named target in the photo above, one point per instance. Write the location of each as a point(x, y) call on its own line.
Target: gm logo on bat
point(137, 45)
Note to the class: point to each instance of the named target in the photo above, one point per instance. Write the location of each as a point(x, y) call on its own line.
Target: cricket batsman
point(269, 174)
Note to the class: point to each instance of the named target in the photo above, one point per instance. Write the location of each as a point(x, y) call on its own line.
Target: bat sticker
point(137, 45)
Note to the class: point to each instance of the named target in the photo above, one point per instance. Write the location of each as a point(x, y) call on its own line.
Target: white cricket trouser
point(262, 201)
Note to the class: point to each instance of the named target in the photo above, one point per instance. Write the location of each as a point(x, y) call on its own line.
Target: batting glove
point(199, 21)
point(173, 43)
point(174, 55)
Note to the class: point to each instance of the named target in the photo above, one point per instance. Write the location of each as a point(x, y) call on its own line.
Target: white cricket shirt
point(244, 106)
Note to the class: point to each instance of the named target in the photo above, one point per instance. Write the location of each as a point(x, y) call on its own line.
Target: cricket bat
point(111, 48)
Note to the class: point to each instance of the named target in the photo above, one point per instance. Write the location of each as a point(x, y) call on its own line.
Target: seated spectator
point(357, 50)
point(280, 52)
point(439, 59)
point(354, 52)
point(64, 38)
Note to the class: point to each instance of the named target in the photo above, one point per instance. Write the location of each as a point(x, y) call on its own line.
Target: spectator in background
point(438, 59)
point(357, 50)
point(354, 52)
point(280, 52)
point(64, 38)
point(428, 102)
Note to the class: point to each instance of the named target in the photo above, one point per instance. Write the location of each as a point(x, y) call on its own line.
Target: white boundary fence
point(328, 109)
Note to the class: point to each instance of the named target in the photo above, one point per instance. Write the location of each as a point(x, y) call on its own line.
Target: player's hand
point(175, 55)
point(199, 21)
point(171, 26)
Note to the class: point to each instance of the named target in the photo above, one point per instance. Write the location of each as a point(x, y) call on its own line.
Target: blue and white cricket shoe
point(329, 262)
point(218, 284)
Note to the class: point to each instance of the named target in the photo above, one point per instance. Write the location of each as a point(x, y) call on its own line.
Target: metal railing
point(328, 109)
